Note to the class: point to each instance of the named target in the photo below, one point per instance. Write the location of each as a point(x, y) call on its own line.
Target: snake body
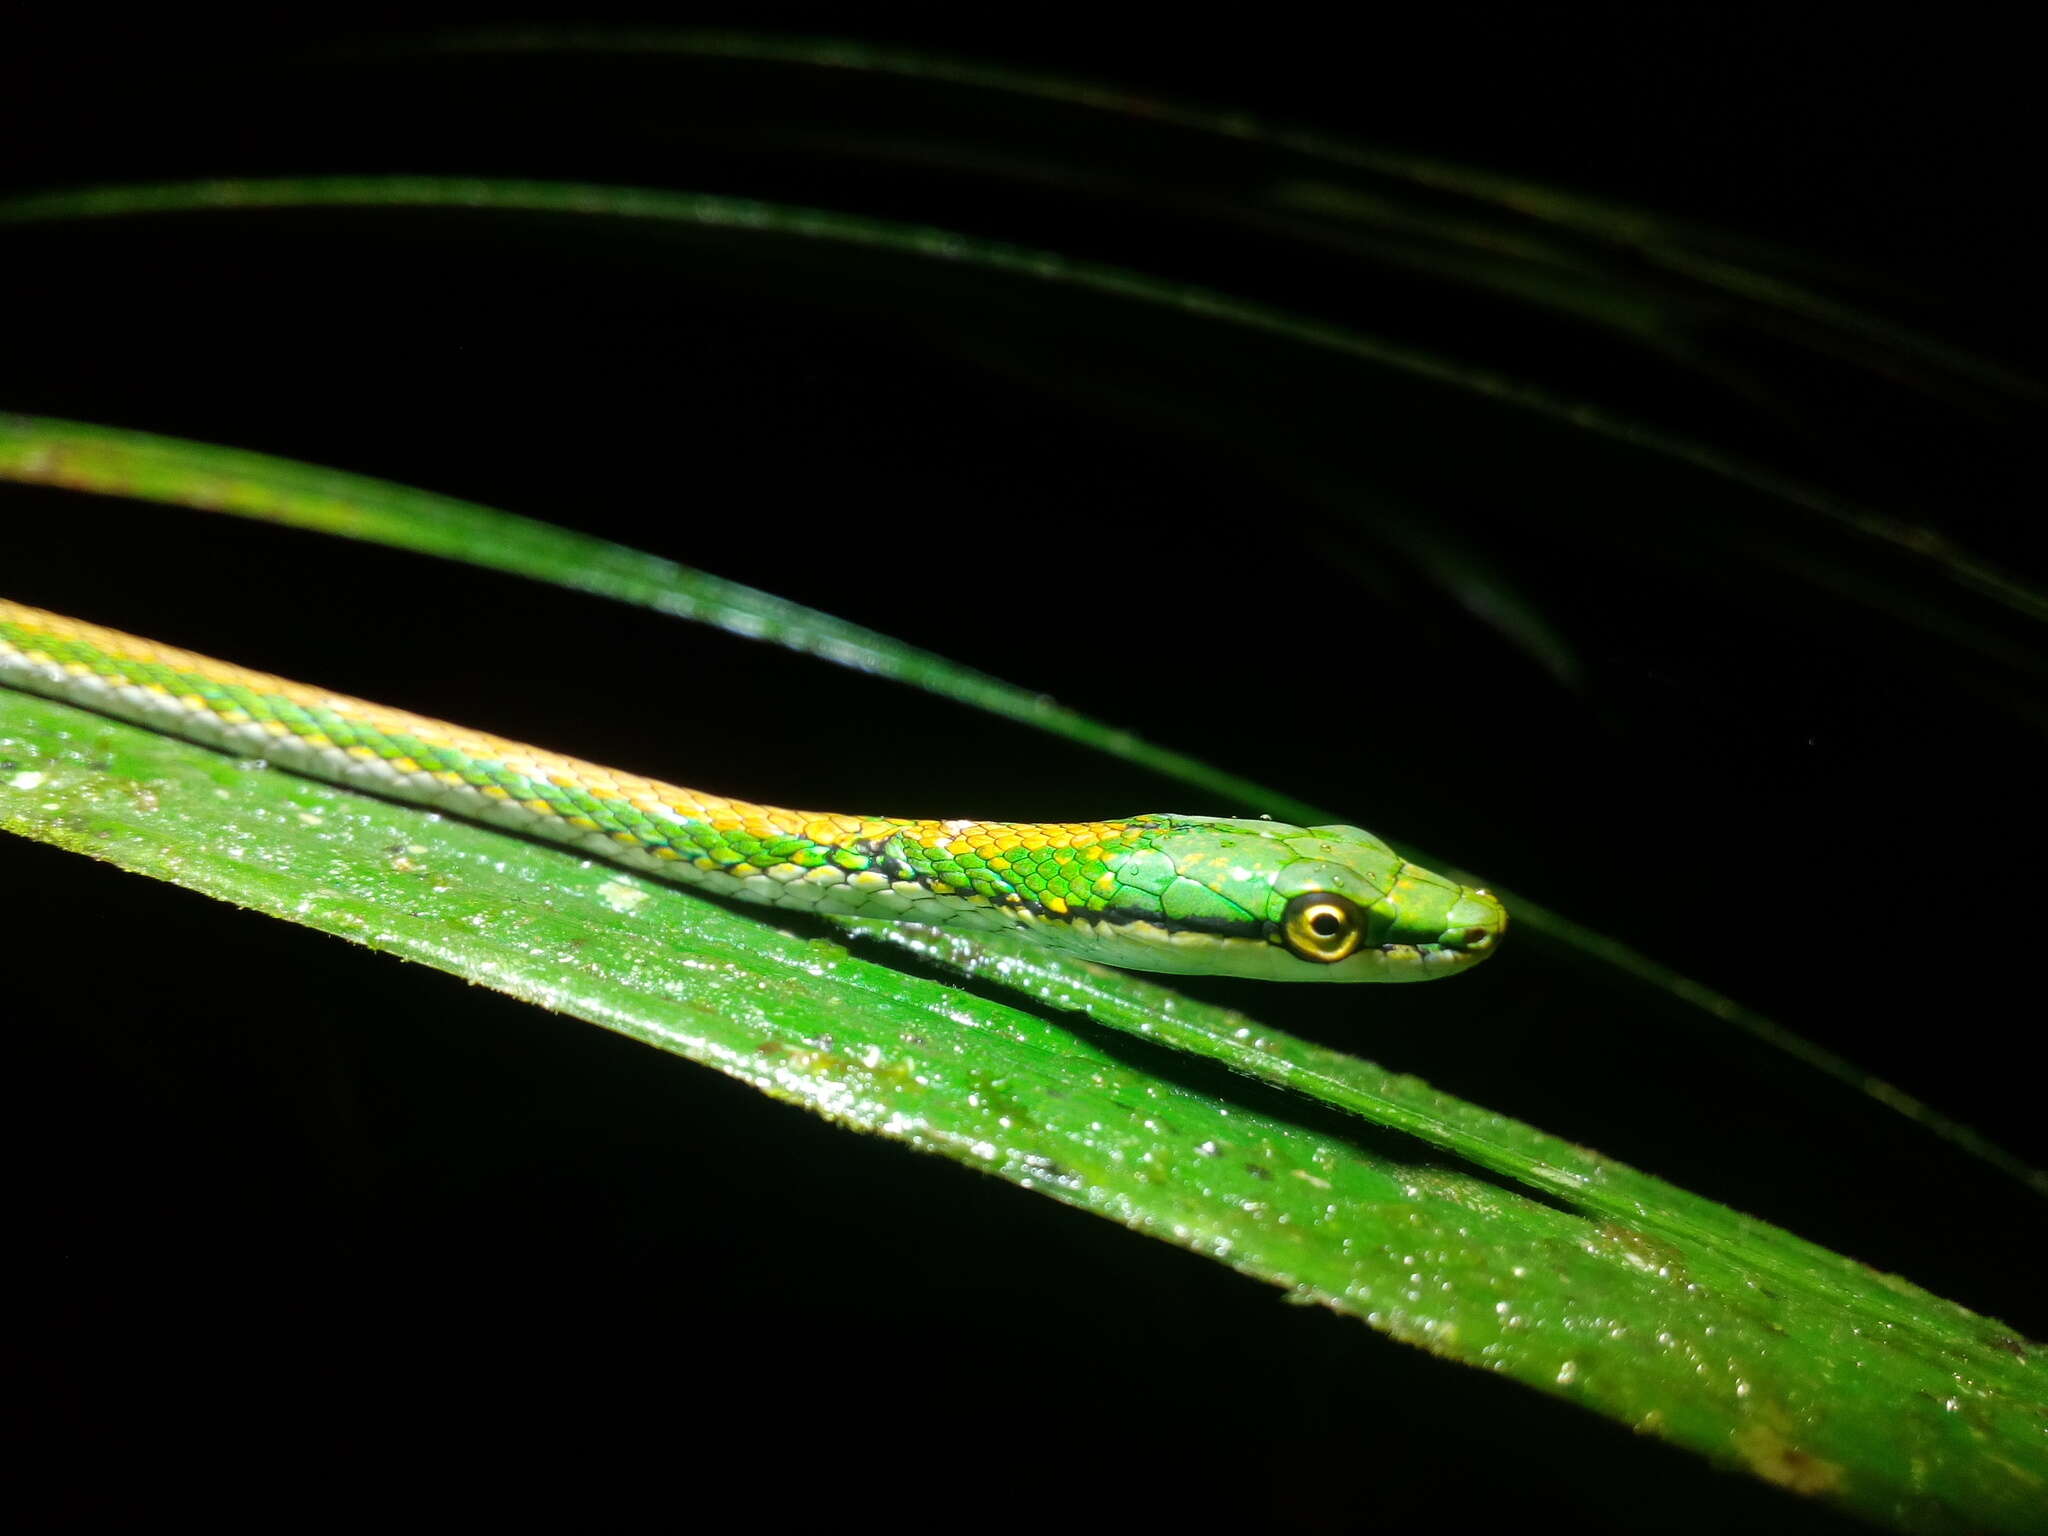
point(1156, 892)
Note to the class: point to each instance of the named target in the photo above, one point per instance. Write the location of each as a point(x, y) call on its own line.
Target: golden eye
point(1322, 926)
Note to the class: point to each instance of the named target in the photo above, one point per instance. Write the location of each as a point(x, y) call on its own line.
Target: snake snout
point(1475, 922)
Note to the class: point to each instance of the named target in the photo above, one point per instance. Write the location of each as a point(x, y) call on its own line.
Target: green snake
point(1189, 894)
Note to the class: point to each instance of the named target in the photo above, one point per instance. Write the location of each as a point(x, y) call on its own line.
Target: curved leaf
point(1906, 539)
point(1659, 1309)
point(260, 486)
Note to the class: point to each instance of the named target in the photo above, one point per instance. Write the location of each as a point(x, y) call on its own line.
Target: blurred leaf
point(1897, 538)
point(1667, 282)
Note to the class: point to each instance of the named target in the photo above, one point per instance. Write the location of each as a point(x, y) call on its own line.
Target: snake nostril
point(1476, 935)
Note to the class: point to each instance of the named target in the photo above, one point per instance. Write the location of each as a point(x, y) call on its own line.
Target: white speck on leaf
point(619, 896)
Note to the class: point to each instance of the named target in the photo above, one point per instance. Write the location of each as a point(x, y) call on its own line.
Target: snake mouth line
point(1452, 952)
point(1478, 942)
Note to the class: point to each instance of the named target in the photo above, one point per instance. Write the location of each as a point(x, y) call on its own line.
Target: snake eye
point(1323, 927)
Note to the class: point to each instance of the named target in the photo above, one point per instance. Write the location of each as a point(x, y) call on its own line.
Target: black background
point(301, 1228)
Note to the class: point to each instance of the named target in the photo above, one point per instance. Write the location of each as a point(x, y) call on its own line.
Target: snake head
point(1287, 903)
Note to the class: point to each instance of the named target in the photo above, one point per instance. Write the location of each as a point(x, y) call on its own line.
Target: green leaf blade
point(1737, 1341)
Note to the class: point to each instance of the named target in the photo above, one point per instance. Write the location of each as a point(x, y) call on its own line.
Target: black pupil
point(1325, 924)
